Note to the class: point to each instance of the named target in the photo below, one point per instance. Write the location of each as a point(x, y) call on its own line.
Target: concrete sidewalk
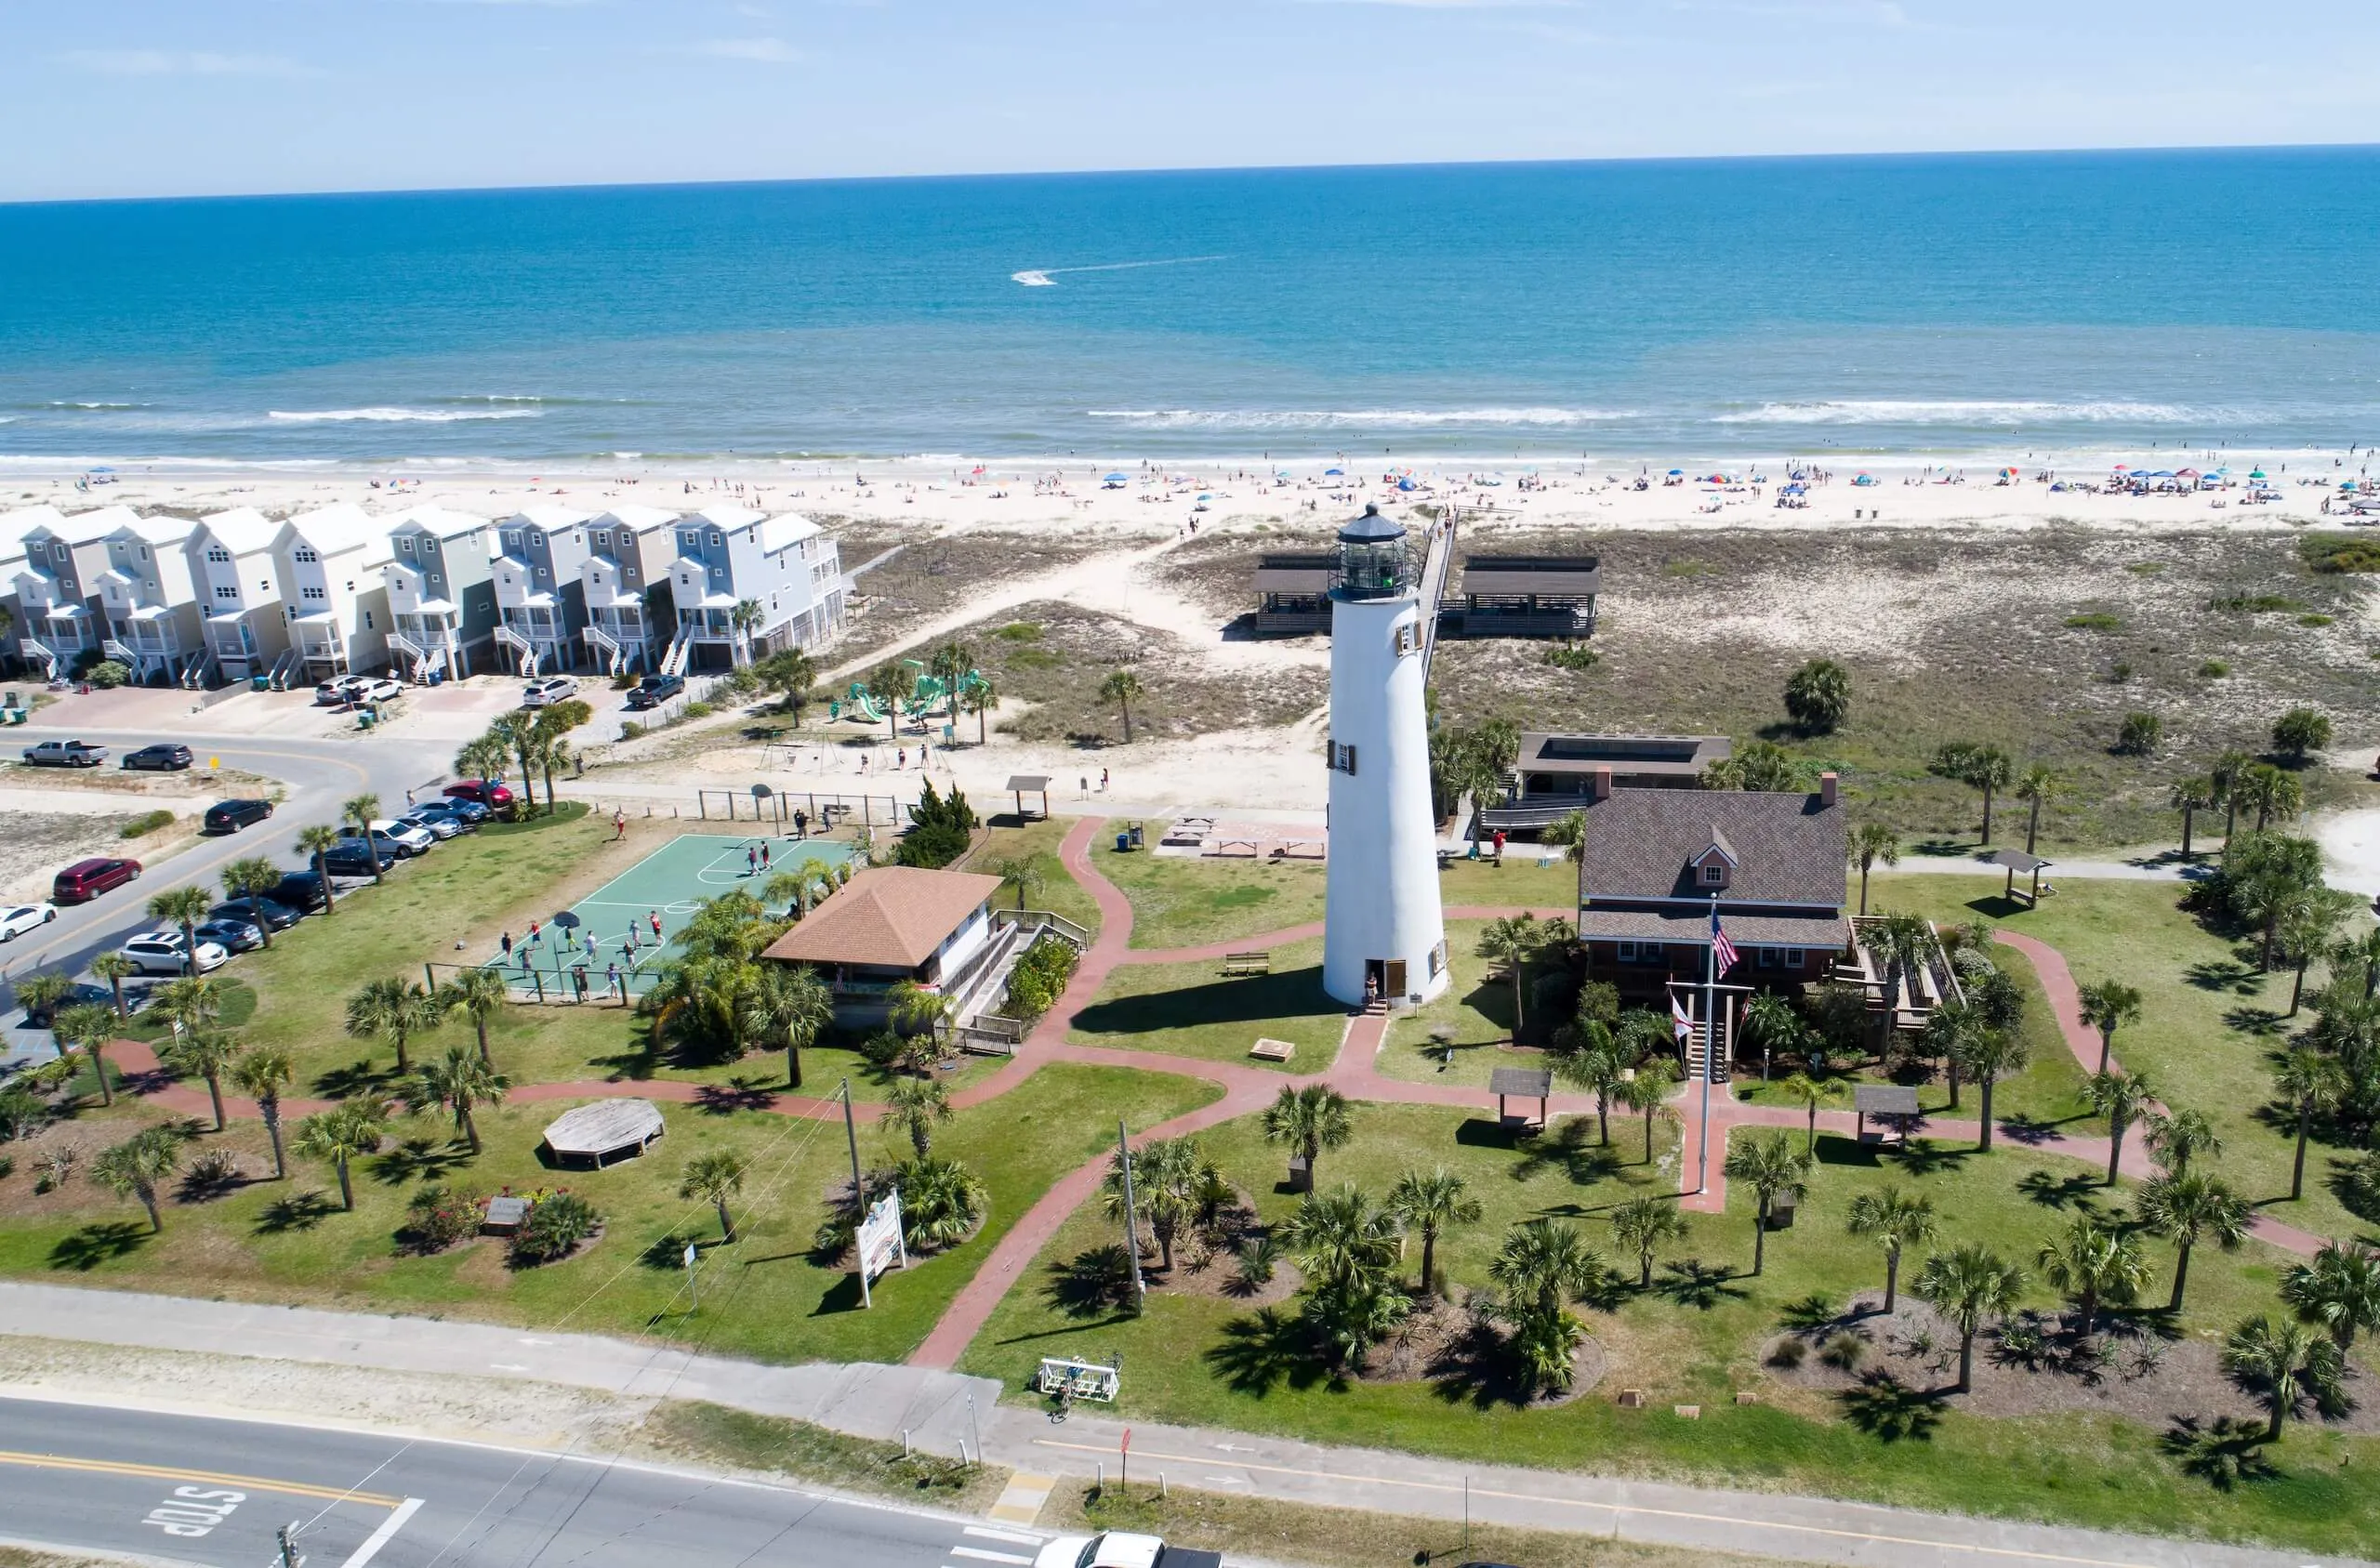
point(880, 1402)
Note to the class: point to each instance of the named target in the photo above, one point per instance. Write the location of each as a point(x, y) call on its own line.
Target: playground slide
point(867, 709)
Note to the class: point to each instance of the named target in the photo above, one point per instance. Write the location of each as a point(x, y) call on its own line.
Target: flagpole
point(1709, 1049)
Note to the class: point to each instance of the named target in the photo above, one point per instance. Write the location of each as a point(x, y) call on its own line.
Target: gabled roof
point(785, 530)
point(439, 522)
point(723, 515)
point(636, 519)
point(888, 917)
point(83, 528)
point(242, 530)
point(335, 529)
point(160, 528)
point(15, 525)
point(1720, 847)
point(550, 516)
point(1642, 844)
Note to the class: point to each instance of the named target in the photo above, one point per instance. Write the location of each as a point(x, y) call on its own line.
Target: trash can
point(259, 683)
point(363, 720)
point(1124, 843)
point(1136, 836)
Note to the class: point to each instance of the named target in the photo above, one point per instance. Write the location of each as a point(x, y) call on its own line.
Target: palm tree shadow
point(743, 1092)
point(1889, 1409)
point(1693, 1283)
point(1475, 1368)
point(1923, 1156)
point(421, 1158)
point(1260, 1352)
point(2227, 974)
point(301, 1211)
point(2263, 1023)
point(1807, 1315)
point(101, 1242)
point(1570, 1148)
point(2071, 1190)
point(2223, 1452)
point(358, 1077)
point(1094, 1282)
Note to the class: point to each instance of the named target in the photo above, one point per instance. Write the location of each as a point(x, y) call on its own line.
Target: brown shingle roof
point(1788, 848)
point(892, 916)
point(1829, 933)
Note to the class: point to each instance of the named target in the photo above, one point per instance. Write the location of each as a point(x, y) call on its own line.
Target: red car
point(86, 880)
point(489, 793)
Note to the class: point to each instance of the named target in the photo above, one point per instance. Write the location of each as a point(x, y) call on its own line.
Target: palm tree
point(1903, 941)
point(1599, 1064)
point(2185, 1207)
point(1168, 1177)
point(2108, 1005)
point(2179, 1139)
point(394, 1010)
point(2339, 1290)
point(189, 1003)
point(2310, 1082)
point(185, 907)
point(2190, 797)
point(1120, 687)
point(477, 994)
point(913, 1107)
point(1872, 844)
point(1509, 939)
point(359, 812)
point(137, 1167)
point(1641, 1225)
point(2359, 952)
point(1894, 1222)
point(345, 1133)
point(1347, 1249)
point(1818, 696)
point(1969, 1287)
point(2036, 787)
point(793, 1003)
point(742, 620)
point(1810, 1094)
point(1541, 1268)
point(714, 1176)
point(261, 1073)
point(250, 880)
point(1772, 1021)
point(1988, 1056)
point(512, 735)
point(1950, 1029)
point(1569, 832)
point(1770, 1163)
point(1648, 1093)
point(207, 1052)
point(1984, 768)
point(888, 691)
point(2308, 929)
point(2119, 1098)
point(1309, 1120)
point(2286, 1358)
point(980, 698)
point(114, 968)
point(1431, 1205)
point(318, 841)
point(486, 756)
point(89, 1026)
point(457, 1082)
point(43, 992)
point(1023, 871)
point(2093, 1260)
point(2272, 792)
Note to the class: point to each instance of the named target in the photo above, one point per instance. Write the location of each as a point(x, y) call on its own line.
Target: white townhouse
point(148, 598)
point(628, 551)
point(14, 525)
point(64, 557)
point(235, 555)
point(332, 589)
point(539, 553)
point(441, 593)
point(745, 586)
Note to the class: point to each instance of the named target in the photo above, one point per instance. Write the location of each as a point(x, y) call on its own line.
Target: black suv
point(229, 816)
point(301, 890)
point(267, 910)
point(655, 689)
point(166, 756)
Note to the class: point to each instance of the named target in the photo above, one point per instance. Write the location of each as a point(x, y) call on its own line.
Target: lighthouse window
point(1343, 759)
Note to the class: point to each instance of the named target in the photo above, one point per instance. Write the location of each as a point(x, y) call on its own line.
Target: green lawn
point(2210, 1025)
point(1520, 882)
point(1191, 1009)
point(1697, 1337)
point(1184, 902)
point(1477, 1005)
point(1038, 841)
point(764, 1297)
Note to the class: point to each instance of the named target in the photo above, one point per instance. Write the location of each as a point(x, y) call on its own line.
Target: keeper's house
point(1656, 861)
point(892, 923)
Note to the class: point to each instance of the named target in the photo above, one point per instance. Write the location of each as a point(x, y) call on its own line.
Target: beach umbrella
point(1677, 473)
point(1117, 479)
point(1204, 496)
point(2256, 473)
point(1406, 485)
point(1334, 473)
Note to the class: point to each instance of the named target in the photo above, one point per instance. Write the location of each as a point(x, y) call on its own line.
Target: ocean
point(1966, 306)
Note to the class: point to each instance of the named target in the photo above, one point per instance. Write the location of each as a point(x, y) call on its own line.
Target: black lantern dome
point(1373, 558)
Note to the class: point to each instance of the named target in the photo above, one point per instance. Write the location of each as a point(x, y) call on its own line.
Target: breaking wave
point(1357, 418)
point(1973, 411)
point(399, 415)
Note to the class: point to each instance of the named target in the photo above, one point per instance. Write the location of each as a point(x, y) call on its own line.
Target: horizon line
point(1162, 171)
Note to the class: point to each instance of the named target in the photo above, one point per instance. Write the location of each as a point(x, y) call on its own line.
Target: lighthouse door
point(1394, 983)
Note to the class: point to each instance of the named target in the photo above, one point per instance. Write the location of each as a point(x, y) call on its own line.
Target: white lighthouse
point(1383, 929)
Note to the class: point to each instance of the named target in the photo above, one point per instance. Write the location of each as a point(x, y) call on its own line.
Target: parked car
point(86, 880)
point(229, 816)
point(1117, 1549)
point(546, 692)
point(79, 994)
point(269, 913)
point(437, 824)
point(384, 843)
point(23, 918)
point(465, 815)
point(349, 858)
point(379, 689)
point(490, 793)
point(66, 753)
point(656, 690)
point(232, 935)
point(339, 690)
point(166, 756)
point(418, 840)
point(160, 952)
point(301, 891)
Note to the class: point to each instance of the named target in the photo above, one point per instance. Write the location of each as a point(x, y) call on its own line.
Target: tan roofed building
point(892, 923)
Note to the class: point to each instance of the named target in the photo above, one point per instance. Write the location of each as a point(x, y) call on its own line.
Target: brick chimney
point(1826, 788)
point(1599, 782)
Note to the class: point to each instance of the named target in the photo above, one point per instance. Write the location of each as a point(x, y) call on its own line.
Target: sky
point(132, 98)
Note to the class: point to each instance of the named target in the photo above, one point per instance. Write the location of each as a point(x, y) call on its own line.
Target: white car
point(160, 952)
point(437, 824)
point(24, 917)
point(413, 836)
point(546, 692)
point(379, 689)
point(1117, 1549)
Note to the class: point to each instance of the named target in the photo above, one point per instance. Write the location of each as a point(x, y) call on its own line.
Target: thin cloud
point(1455, 4)
point(767, 51)
point(176, 62)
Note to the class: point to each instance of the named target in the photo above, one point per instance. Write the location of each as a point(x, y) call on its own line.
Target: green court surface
point(614, 929)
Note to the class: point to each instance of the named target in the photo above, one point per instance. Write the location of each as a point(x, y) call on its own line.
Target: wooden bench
point(1236, 964)
point(1273, 1050)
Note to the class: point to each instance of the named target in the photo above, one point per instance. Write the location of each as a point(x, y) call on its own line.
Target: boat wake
point(1046, 277)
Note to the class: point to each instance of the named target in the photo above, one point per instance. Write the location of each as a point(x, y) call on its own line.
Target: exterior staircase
point(201, 672)
point(682, 650)
point(285, 670)
point(1697, 1046)
point(507, 638)
point(612, 658)
point(414, 652)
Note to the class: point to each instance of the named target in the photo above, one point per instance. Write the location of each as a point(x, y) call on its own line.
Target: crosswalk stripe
point(980, 1555)
point(1016, 1537)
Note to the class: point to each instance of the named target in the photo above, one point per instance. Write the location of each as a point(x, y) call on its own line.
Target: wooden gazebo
point(1895, 1105)
point(1521, 1082)
point(2017, 862)
point(1023, 784)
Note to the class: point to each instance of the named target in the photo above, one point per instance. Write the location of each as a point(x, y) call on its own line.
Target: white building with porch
point(540, 552)
point(628, 554)
point(65, 554)
point(442, 594)
point(331, 568)
point(234, 562)
point(746, 586)
point(147, 596)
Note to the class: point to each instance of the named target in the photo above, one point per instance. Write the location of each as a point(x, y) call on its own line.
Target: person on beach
point(800, 823)
point(901, 761)
point(619, 823)
point(1102, 781)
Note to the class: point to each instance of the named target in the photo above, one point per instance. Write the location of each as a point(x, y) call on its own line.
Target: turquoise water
point(2034, 303)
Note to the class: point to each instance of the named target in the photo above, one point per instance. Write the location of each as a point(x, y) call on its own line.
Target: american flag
point(1723, 952)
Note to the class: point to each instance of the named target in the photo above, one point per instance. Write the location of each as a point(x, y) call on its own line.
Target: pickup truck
point(1116, 1548)
point(66, 753)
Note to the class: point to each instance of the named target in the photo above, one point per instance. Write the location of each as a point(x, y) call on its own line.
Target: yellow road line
point(1229, 1462)
point(160, 1473)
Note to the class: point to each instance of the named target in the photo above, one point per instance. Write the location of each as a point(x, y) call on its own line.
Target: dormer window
point(1714, 875)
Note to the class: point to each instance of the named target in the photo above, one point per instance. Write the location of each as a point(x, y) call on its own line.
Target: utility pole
point(1132, 1225)
point(859, 1196)
point(694, 1301)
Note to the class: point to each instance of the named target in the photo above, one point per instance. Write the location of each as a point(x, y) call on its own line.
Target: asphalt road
point(318, 775)
point(214, 1493)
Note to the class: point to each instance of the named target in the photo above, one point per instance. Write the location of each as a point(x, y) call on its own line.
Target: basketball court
point(614, 924)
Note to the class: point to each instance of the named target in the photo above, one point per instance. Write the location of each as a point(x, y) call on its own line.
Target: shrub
point(1040, 976)
point(8, 1167)
point(2340, 552)
point(2118, 672)
point(697, 710)
point(939, 829)
point(145, 823)
point(1259, 1258)
point(2300, 731)
point(1572, 657)
point(1843, 1351)
point(1019, 631)
point(2140, 734)
point(1818, 696)
point(2095, 620)
point(438, 1217)
point(2358, 1188)
point(2315, 620)
point(554, 1230)
point(2256, 603)
point(108, 674)
point(884, 1047)
point(2213, 669)
point(1789, 1353)
point(22, 1113)
point(630, 729)
point(215, 1167)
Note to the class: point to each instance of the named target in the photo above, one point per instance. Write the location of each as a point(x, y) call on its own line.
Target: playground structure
point(932, 693)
